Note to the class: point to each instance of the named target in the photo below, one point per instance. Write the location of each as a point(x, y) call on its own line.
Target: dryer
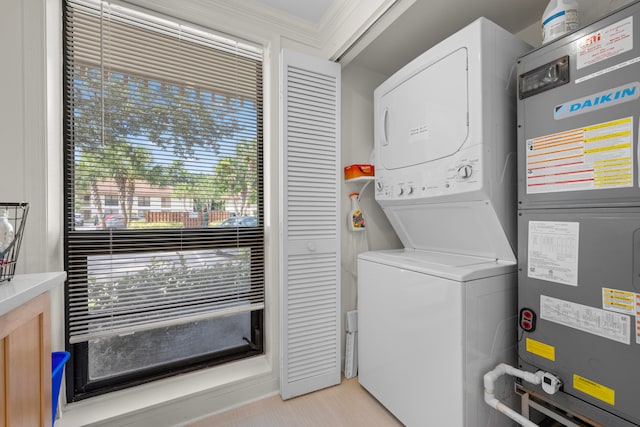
point(436, 315)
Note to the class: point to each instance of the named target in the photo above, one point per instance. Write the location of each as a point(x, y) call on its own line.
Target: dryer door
point(425, 116)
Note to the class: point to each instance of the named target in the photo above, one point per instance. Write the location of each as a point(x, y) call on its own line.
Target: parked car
point(239, 221)
point(114, 221)
point(78, 219)
point(117, 220)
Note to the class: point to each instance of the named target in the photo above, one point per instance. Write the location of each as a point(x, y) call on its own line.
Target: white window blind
point(164, 164)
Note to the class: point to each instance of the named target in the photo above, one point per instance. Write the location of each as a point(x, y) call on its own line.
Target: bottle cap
point(354, 194)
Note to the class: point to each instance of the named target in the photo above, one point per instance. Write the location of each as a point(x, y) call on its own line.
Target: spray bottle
point(356, 217)
point(356, 238)
point(6, 231)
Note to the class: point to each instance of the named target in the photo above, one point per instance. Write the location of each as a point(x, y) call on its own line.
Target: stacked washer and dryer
point(435, 316)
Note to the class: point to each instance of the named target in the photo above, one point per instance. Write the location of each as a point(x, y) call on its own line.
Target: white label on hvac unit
point(605, 43)
point(607, 324)
point(598, 156)
point(553, 251)
point(608, 70)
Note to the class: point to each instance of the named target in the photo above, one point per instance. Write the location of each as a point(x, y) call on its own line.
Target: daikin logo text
point(603, 98)
point(597, 101)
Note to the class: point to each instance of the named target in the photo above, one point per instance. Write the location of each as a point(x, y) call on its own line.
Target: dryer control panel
point(458, 174)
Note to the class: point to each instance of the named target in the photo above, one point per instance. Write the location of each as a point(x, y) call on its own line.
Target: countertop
point(24, 287)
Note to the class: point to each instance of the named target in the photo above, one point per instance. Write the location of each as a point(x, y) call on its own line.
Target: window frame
point(82, 388)
point(78, 385)
point(144, 201)
point(110, 200)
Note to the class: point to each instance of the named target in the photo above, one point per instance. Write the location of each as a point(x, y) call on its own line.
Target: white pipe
point(499, 406)
point(491, 400)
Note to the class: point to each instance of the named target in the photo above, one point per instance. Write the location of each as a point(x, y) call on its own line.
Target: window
point(110, 200)
point(167, 116)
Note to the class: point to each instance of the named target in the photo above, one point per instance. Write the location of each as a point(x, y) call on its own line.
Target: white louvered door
point(310, 278)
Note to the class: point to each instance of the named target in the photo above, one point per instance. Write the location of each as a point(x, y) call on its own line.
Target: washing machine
point(433, 324)
point(435, 316)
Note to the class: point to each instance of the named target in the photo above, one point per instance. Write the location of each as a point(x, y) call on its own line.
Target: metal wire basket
point(17, 216)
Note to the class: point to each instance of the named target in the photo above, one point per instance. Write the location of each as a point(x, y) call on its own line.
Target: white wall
point(358, 85)
point(29, 148)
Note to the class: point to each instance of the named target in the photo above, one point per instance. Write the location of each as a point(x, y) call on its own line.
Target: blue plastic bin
point(58, 359)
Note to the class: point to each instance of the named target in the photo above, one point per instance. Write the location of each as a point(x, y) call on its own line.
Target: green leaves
point(130, 129)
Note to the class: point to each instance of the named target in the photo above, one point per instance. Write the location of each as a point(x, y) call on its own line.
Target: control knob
point(465, 171)
point(379, 185)
point(400, 191)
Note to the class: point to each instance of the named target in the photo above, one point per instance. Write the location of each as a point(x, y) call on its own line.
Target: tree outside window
point(171, 122)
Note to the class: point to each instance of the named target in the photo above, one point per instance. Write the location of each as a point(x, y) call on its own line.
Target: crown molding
point(372, 29)
point(347, 21)
point(285, 24)
point(344, 23)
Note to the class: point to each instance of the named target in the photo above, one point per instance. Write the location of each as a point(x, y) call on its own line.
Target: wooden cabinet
point(25, 349)
point(25, 355)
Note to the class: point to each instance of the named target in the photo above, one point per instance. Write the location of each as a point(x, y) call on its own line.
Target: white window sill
point(121, 407)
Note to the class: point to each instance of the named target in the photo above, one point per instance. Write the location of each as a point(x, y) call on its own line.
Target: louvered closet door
point(310, 279)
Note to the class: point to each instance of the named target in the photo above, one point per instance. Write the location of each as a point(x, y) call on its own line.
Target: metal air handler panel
point(564, 157)
point(579, 217)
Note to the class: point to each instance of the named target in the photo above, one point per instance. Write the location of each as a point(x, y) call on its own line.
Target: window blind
point(163, 172)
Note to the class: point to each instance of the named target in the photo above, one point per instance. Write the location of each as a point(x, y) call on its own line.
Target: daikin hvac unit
point(579, 219)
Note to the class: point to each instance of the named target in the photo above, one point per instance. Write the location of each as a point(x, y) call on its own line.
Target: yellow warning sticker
point(620, 301)
point(541, 349)
point(637, 318)
point(594, 389)
point(599, 156)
